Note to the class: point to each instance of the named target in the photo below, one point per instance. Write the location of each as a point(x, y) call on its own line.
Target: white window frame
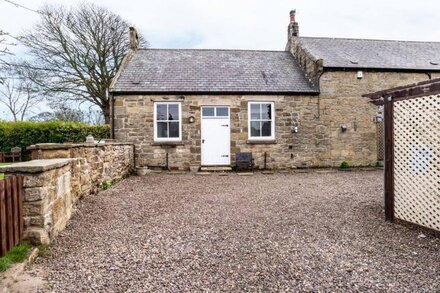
point(165, 139)
point(272, 137)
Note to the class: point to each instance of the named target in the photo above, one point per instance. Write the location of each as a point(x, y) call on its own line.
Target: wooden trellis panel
point(417, 160)
point(380, 132)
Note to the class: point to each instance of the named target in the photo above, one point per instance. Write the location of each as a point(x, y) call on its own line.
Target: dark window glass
point(255, 111)
point(255, 128)
point(162, 129)
point(221, 111)
point(266, 111)
point(161, 113)
point(208, 112)
point(173, 112)
point(266, 129)
point(174, 129)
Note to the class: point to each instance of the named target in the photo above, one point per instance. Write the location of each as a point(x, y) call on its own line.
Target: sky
point(252, 24)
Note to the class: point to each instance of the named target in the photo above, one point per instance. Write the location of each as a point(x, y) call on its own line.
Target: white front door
point(215, 135)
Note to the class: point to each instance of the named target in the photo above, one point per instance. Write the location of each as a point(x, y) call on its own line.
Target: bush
point(24, 134)
point(344, 165)
point(105, 185)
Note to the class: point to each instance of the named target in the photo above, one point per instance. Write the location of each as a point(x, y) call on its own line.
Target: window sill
point(259, 141)
point(167, 143)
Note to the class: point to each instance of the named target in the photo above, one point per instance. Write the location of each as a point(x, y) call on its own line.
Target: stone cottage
point(301, 106)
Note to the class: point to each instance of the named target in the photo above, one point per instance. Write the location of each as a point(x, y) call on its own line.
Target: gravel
point(267, 232)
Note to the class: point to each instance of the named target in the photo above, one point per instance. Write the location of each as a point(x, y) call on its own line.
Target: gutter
point(211, 93)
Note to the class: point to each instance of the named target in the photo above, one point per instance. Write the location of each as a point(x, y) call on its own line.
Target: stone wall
point(319, 142)
point(96, 163)
point(53, 185)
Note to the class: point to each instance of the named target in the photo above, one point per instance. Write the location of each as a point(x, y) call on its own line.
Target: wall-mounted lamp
point(343, 128)
point(378, 118)
point(191, 119)
point(294, 129)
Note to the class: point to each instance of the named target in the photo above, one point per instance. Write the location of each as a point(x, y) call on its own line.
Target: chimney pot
point(293, 30)
point(292, 16)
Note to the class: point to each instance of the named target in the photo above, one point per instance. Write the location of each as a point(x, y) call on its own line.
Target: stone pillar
point(48, 198)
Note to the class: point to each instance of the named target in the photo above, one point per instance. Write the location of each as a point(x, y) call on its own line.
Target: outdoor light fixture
point(294, 129)
point(191, 119)
point(378, 118)
point(343, 128)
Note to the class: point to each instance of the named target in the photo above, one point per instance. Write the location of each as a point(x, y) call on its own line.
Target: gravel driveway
point(280, 232)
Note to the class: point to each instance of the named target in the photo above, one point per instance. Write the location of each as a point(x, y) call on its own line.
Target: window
point(215, 112)
point(261, 120)
point(167, 122)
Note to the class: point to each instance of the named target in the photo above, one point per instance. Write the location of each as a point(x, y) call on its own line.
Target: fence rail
point(11, 212)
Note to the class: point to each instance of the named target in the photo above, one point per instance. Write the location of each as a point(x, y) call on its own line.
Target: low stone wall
point(53, 185)
point(97, 162)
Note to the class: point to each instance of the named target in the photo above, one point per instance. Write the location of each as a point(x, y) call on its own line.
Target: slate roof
point(212, 71)
point(374, 54)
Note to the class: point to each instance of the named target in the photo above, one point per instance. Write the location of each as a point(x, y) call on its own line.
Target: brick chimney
point(134, 39)
point(293, 29)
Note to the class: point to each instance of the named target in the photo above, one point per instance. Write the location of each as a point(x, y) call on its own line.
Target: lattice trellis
point(380, 132)
point(417, 160)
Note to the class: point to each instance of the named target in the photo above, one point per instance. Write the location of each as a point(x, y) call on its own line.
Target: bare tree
point(76, 52)
point(19, 97)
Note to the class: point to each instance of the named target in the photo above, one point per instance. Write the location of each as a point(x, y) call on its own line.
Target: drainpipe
point(429, 74)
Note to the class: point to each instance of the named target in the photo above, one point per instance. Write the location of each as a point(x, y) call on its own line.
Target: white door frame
point(227, 120)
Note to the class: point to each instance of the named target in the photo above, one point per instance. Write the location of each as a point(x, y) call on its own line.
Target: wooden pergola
point(412, 152)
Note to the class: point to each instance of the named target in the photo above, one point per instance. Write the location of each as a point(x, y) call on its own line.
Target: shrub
point(24, 134)
point(344, 165)
point(105, 185)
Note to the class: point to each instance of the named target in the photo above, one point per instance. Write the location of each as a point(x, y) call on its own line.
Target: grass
point(17, 254)
point(2, 176)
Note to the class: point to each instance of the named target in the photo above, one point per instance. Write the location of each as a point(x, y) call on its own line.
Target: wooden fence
point(11, 212)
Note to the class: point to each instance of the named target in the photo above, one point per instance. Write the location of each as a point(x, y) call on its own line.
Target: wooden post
point(3, 243)
point(9, 216)
point(20, 181)
point(389, 159)
point(14, 197)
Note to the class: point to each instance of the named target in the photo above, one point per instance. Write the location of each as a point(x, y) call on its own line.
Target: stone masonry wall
point(319, 142)
point(53, 185)
point(96, 163)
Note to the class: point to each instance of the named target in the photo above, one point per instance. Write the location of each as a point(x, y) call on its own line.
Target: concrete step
point(216, 169)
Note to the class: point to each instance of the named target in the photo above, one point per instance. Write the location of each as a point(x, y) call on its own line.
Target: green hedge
point(24, 134)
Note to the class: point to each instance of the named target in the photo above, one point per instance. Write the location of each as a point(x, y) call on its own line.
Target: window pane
point(255, 129)
point(161, 112)
point(266, 111)
point(174, 129)
point(221, 111)
point(255, 111)
point(208, 111)
point(266, 129)
point(173, 112)
point(162, 129)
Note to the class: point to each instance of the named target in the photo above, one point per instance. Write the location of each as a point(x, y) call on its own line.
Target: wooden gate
point(412, 153)
point(11, 212)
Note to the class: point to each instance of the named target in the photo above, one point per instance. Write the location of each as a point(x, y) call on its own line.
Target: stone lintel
point(35, 166)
